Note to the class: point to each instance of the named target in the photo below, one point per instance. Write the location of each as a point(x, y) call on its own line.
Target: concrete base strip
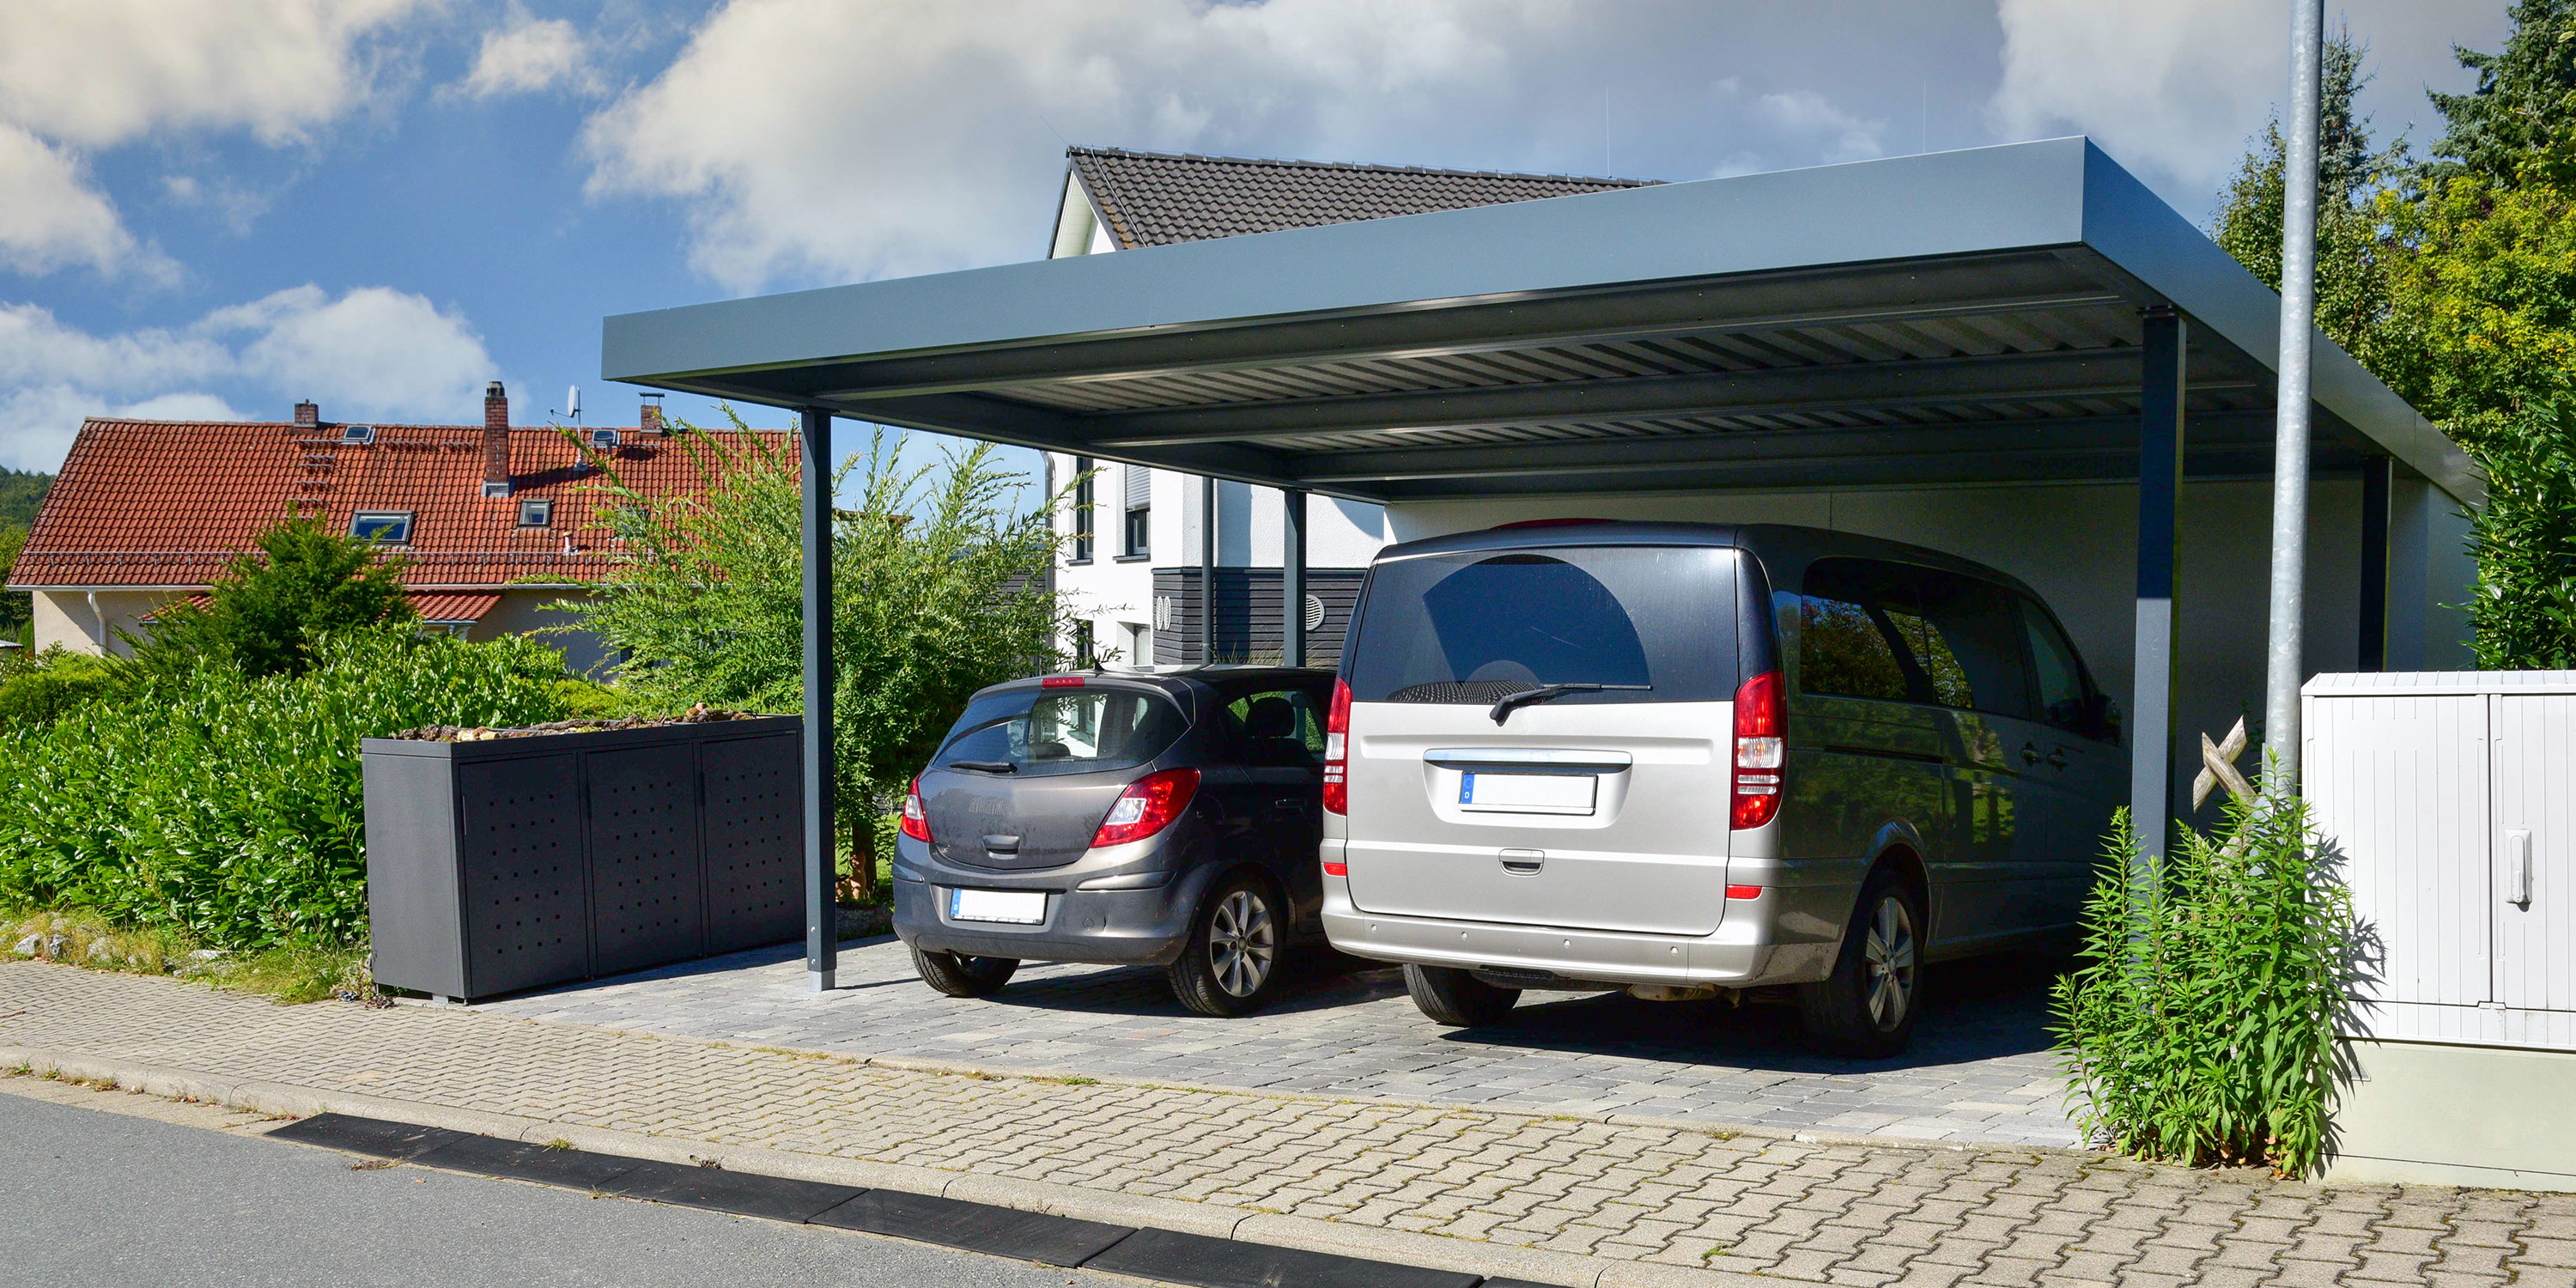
point(1143, 1211)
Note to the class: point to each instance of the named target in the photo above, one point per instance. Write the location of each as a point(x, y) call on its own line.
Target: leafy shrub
point(229, 806)
point(269, 606)
point(2199, 1025)
point(40, 689)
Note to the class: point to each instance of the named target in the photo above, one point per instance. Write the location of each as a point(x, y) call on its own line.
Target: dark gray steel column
point(822, 915)
point(1292, 578)
point(2373, 655)
point(1207, 568)
point(2151, 732)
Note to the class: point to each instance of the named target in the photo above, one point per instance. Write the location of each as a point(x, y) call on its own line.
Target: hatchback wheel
point(1867, 1007)
point(1232, 960)
point(959, 975)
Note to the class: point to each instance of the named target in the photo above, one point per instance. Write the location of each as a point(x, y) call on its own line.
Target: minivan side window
point(1963, 637)
point(2062, 695)
point(1843, 646)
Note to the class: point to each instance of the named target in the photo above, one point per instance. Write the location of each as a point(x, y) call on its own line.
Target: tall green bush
point(229, 806)
point(2199, 1024)
point(270, 604)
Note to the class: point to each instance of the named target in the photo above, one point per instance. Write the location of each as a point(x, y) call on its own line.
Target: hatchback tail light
point(1147, 806)
point(916, 824)
point(1337, 745)
point(1761, 746)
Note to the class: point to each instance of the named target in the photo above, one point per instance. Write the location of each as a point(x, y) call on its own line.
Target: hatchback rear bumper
point(1739, 955)
point(1146, 927)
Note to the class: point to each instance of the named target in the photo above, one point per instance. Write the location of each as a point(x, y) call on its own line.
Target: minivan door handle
point(1523, 863)
point(2057, 758)
point(2030, 753)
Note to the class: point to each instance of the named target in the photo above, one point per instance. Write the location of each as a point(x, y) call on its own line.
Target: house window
point(1082, 497)
point(1084, 652)
point(389, 527)
point(536, 514)
point(1139, 511)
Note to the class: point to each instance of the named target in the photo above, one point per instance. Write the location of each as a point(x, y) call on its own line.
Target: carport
point(2018, 353)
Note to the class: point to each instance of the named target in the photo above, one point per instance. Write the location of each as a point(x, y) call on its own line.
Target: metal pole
point(1292, 578)
point(1207, 569)
point(2160, 442)
point(822, 915)
point(2284, 667)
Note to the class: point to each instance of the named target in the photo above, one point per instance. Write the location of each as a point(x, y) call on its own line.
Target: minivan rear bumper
point(1740, 954)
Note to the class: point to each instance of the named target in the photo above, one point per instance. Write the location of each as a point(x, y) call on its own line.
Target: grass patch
point(1068, 1082)
point(293, 972)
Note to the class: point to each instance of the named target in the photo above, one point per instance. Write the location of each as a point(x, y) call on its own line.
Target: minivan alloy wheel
point(1889, 956)
point(1243, 943)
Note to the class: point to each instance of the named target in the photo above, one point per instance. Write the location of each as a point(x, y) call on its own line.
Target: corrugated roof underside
point(1154, 199)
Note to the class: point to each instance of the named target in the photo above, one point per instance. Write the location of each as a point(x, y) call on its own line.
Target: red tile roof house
point(498, 521)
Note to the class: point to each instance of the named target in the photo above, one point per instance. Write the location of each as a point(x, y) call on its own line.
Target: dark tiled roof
point(165, 503)
point(1154, 199)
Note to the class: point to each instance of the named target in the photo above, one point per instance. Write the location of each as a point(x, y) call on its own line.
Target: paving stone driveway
point(1978, 1069)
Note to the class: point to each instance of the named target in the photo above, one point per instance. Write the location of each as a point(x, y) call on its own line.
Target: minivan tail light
point(916, 824)
point(1337, 746)
point(1147, 806)
point(1761, 748)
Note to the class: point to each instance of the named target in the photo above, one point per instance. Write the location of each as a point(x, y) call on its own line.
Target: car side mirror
point(2102, 718)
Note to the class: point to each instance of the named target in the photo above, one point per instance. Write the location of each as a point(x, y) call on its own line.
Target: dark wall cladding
point(521, 862)
point(1247, 614)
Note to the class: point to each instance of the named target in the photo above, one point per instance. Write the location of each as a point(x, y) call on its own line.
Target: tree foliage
point(2519, 125)
point(269, 605)
point(940, 589)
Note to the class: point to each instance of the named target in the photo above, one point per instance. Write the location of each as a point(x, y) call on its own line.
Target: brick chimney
point(307, 416)
point(496, 441)
point(652, 413)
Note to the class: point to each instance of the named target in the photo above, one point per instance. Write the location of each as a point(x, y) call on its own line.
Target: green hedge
point(230, 808)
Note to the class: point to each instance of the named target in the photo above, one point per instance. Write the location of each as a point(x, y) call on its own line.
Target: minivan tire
point(1866, 1008)
point(1238, 940)
point(1453, 997)
point(959, 975)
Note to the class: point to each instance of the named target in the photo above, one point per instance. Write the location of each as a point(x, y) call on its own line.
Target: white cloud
point(528, 57)
point(87, 74)
point(371, 352)
point(1809, 114)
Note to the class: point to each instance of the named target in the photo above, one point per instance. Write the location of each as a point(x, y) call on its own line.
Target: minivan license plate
point(1021, 907)
point(1526, 793)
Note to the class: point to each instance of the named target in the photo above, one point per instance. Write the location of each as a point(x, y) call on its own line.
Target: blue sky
point(214, 207)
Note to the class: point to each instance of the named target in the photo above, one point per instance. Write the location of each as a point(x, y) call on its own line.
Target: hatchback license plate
point(1021, 907)
point(1526, 793)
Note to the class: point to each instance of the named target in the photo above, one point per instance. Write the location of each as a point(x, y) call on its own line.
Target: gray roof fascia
point(2135, 231)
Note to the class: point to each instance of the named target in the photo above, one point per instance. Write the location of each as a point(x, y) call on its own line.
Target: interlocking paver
point(1857, 1214)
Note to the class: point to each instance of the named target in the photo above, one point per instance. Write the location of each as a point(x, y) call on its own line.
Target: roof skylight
point(357, 435)
point(385, 527)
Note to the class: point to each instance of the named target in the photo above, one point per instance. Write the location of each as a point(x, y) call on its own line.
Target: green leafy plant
point(267, 608)
point(228, 806)
point(2199, 1024)
point(940, 589)
point(38, 690)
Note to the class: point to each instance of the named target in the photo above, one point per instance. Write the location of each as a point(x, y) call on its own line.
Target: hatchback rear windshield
point(1059, 731)
point(1474, 627)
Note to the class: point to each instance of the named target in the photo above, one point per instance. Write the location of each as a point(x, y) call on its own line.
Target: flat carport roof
point(1970, 317)
point(2016, 314)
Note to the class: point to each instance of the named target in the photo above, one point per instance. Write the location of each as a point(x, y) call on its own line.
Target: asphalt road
point(95, 1198)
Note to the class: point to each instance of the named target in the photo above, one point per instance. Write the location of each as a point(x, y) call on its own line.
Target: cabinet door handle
point(2517, 849)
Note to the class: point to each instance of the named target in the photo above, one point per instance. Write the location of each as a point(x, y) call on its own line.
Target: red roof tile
point(453, 608)
point(165, 503)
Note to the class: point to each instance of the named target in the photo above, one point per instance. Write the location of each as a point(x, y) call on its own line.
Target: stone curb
point(1429, 1250)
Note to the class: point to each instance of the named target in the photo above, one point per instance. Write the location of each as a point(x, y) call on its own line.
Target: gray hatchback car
point(1697, 760)
point(1167, 818)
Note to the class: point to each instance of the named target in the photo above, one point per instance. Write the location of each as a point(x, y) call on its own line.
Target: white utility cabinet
point(2452, 796)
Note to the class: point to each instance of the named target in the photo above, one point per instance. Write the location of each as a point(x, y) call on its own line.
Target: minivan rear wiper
point(987, 766)
point(1503, 710)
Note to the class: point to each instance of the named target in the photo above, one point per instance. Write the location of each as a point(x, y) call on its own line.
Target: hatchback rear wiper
point(1503, 710)
point(987, 766)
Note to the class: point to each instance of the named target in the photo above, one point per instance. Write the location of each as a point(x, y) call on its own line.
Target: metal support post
point(1292, 578)
point(822, 914)
point(2160, 444)
point(1207, 569)
point(2285, 664)
point(2373, 654)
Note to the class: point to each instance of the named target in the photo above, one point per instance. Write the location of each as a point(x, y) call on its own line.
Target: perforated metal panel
point(644, 895)
point(755, 849)
point(521, 865)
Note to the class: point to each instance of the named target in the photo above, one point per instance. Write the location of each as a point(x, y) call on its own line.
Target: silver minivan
point(1696, 759)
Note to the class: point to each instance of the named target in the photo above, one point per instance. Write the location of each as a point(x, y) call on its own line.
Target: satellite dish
point(572, 402)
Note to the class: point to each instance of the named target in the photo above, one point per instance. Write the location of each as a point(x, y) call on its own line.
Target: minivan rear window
point(1474, 627)
point(1034, 731)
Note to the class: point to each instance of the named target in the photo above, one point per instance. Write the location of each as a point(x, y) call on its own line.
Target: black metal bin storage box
point(513, 863)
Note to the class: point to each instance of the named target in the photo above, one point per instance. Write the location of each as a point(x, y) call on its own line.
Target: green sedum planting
point(227, 807)
point(2199, 1025)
